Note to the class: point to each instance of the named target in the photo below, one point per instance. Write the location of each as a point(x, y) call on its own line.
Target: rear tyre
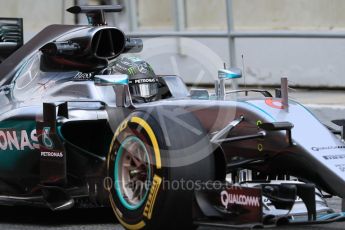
point(148, 193)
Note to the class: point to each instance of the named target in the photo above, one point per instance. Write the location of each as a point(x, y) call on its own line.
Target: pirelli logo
point(152, 197)
point(121, 127)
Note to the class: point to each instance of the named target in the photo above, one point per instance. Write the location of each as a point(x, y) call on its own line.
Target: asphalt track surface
point(326, 105)
point(22, 218)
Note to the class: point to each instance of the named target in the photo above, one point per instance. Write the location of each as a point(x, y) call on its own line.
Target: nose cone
point(318, 155)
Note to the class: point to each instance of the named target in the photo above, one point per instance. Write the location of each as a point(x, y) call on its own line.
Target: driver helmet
point(142, 81)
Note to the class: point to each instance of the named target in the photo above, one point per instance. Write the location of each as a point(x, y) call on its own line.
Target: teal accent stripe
point(258, 108)
point(75, 146)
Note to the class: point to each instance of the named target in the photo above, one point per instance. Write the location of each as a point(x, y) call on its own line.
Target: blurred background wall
point(37, 14)
point(308, 61)
point(247, 14)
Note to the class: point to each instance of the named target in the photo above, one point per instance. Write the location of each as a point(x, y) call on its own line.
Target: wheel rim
point(132, 173)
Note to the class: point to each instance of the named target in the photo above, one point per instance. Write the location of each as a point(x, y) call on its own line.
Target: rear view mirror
point(119, 82)
point(231, 73)
point(223, 75)
point(108, 80)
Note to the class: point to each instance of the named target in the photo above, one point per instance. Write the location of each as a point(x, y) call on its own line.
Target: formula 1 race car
point(73, 135)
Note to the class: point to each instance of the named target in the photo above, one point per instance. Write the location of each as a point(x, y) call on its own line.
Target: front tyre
point(142, 195)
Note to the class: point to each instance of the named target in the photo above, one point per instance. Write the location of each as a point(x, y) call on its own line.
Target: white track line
point(324, 106)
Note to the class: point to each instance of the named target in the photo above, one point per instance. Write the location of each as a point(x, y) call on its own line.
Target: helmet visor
point(145, 90)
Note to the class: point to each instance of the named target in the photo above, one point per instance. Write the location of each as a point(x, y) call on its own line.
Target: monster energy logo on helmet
point(133, 66)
